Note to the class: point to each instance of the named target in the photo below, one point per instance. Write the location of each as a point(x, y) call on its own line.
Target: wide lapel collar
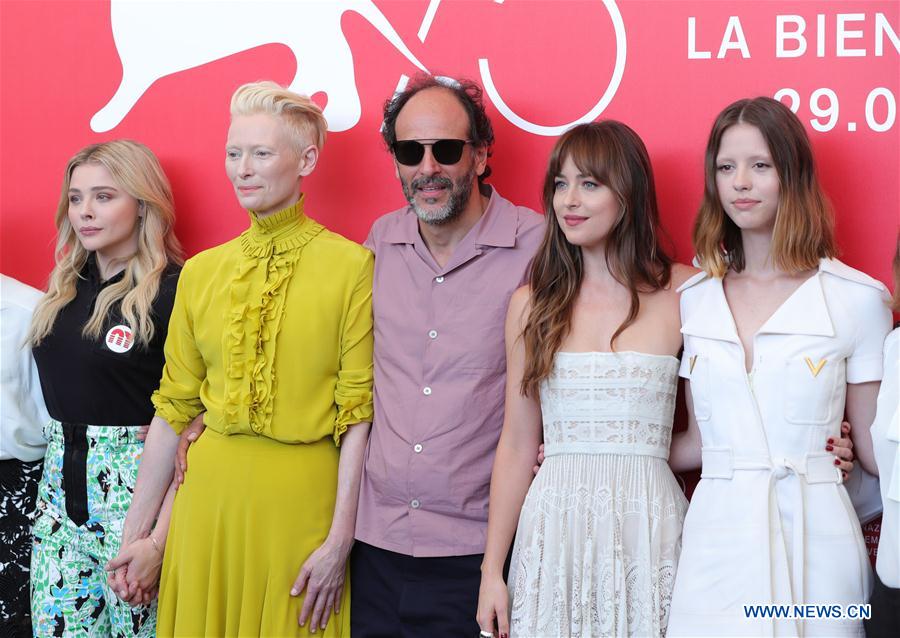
point(711, 317)
point(805, 312)
point(405, 230)
point(499, 223)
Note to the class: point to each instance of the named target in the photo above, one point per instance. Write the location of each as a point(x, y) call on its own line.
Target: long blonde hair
point(136, 170)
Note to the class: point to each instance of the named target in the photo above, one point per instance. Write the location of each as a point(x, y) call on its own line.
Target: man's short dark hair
point(469, 94)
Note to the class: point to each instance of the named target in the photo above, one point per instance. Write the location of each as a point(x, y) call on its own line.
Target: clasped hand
point(134, 572)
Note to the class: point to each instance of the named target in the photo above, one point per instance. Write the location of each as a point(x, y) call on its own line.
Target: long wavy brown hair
point(614, 155)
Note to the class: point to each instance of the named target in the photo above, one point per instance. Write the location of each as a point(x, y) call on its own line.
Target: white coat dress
point(770, 521)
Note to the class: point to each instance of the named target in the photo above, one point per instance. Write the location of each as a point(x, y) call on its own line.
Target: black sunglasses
point(411, 152)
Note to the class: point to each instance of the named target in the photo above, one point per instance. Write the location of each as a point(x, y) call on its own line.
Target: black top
point(109, 380)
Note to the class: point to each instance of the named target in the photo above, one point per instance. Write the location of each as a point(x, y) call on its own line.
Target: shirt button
point(432, 334)
point(426, 391)
point(440, 279)
point(414, 503)
point(417, 448)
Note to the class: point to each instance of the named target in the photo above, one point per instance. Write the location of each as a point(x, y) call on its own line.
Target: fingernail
point(829, 448)
point(830, 441)
point(837, 461)
point(294, 592)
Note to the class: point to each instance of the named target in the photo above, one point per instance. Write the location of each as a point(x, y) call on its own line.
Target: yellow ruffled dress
point(271, 335)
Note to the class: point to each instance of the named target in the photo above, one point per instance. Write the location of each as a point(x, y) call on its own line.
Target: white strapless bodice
point(609, 403)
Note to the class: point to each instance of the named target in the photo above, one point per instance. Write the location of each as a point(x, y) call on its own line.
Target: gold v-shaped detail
point(815, 368)
point(693, 363)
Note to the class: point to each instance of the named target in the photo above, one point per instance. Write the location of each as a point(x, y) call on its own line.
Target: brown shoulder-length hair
point(615, 156)
point(804, 226)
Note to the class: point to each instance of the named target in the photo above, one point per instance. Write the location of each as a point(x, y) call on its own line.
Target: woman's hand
point(135, 571)
point(540, 459)
point(190, 434)
point(493, 606)
point(322, 575)
point(842, 449)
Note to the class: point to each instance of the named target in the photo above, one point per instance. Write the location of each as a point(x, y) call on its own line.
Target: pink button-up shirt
point(440, 373)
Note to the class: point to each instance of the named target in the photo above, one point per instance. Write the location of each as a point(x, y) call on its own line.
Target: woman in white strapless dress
point(591, 366)
point(605, 501)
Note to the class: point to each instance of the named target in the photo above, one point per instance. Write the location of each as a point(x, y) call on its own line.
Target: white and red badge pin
point(120, 338)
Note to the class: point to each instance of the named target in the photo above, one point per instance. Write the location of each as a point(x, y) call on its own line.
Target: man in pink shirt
point(445, 267)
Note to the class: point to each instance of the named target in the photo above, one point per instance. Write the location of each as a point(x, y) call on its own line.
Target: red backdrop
point(664, 67)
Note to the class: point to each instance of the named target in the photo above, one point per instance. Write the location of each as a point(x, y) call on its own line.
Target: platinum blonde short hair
point(302, 116)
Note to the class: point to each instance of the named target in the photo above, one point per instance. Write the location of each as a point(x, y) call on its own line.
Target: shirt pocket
point(811, 395)
point(698, 369)
point(481, 335)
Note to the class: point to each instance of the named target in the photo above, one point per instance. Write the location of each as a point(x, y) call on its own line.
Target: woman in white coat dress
point(779, 339)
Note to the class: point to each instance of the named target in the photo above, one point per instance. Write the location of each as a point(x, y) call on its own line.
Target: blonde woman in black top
point(97, 338)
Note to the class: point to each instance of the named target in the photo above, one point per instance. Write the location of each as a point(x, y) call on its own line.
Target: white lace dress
point(600, 530)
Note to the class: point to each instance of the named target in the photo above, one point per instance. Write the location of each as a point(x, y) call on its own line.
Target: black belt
point(75, 471)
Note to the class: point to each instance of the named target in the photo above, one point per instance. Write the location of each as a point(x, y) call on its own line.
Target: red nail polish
point(837, 461)
point(830, 441)
point(829, 448)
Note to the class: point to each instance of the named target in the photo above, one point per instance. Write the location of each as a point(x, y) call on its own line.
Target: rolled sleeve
point(178, 398)
point(353, 390)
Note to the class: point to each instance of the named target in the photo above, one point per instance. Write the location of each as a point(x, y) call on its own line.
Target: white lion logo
point(156, 39)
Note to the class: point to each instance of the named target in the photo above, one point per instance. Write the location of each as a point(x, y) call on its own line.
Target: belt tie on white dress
point(722, 463)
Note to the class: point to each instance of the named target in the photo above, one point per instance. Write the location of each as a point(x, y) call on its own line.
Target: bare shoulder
point(681, 273)
point(520, 300)
point(519, 306)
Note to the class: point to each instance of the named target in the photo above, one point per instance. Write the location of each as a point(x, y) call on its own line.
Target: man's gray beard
point(456, 201)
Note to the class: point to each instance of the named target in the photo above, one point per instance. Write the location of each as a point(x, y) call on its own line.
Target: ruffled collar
point(279, 232)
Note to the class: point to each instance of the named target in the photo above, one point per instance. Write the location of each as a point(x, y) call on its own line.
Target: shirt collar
point(496, 227)
point(499, 224)
point(91, 272)
point(405, 231)
point(805, 312)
